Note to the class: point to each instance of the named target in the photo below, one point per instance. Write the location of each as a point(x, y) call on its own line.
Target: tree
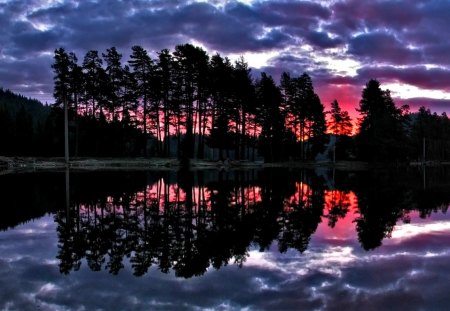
point(244, 100)
point(193, 73)
point(62, 78)
point(429, 135)
point(339, 124)
point(166, 73)
point(221, 88)
point(95, 83)
point(24, 133)
point(76, 90)
point(270, 119)
point(142, 66)
point(115, 76)
point(317, 129)
point(129, 97)
point(305, 114)
point(382, 134)
point(6, 132)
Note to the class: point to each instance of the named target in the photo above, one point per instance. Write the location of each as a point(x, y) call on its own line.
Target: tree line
point(186, 100)
point(183, 222)
point(188, 104)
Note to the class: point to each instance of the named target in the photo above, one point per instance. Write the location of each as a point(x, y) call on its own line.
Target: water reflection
point(190, 221)
point(329, 231)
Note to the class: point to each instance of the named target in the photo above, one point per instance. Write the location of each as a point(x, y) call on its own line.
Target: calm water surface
point(253, 240)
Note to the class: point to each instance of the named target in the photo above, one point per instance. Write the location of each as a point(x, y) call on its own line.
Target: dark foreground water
point(249, 240)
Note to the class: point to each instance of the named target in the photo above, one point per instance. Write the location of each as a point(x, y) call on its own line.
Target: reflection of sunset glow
point(405, 231)
point(300, 197)
point(341, 207)
point(246, 196)
point(164, 195)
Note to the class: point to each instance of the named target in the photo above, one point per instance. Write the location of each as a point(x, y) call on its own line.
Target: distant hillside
point(24, 126)
point(12, 103)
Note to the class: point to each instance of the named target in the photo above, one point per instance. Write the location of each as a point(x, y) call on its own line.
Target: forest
point(188, 104)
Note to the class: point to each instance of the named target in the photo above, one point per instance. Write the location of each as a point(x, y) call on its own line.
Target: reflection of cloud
point(404, 274)
point(327, 260)
point(410, 230)
point(330, 260)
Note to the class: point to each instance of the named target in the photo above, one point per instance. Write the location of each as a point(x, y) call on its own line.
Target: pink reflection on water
point(343, 205)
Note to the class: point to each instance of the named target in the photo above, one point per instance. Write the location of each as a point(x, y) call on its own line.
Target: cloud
point(435, 105)
point(383, 47)
point(384, 34)
point(352, 15)
point(322, 40)
point(427, 78)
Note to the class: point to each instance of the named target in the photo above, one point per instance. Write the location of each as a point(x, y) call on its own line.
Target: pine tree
point(382, 135)
point(142, 66)
point(270, 118)
point(115, 75)
point(193, 73)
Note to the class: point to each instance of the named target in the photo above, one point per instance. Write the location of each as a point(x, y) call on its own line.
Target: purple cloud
point(433, 78)
point(382, 32)
point(383, 47)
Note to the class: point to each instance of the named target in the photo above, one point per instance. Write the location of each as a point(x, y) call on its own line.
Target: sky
point(340, 44)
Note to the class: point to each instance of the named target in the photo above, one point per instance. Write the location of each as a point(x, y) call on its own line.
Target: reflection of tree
point(337, 205)
point(302, 216)
point(380, 204)
point(385, 197)
point(189, 221)
point(26, 196)
point(185, 226)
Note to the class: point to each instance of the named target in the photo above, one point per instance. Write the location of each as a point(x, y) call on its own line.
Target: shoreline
point(13, 164)
point(37, 163)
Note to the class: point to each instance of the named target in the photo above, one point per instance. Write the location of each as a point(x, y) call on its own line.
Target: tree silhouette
point(429, 136)
point(340, 124)
point(142, 66)
point(193, 73)
point(340, 121)
point(95, 84)
point(270, 119)
point(115, 76)
point(208, 102)
point(382, 134)
point(305, 114)
point(221, 98)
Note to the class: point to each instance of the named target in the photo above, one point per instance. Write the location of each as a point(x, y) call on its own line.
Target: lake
point(272, 239)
